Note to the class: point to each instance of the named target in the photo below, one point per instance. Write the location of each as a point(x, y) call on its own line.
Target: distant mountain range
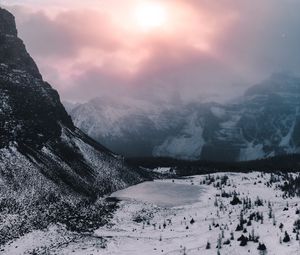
point(41, 151)
point(264, 122)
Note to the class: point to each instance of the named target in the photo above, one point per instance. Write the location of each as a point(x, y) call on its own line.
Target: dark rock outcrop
point(41, 151)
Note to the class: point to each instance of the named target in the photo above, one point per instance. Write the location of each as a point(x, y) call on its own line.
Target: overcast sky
point(201, 48)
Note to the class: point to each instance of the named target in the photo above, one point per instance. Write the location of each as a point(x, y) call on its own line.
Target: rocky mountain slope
point(41, 151)
point(264, 122)
point(124, 126)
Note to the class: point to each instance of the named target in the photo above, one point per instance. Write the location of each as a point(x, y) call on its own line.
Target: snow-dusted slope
point(264, 122)
point(140, 227)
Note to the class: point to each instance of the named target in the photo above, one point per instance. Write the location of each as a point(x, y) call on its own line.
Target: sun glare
point(150, 15)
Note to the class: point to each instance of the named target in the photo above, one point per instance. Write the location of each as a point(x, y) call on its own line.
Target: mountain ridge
point(262, 123)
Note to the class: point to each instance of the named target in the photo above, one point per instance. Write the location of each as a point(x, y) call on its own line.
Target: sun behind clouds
point(149, 15)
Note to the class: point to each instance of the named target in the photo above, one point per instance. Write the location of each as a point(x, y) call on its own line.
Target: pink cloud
point(206, 46)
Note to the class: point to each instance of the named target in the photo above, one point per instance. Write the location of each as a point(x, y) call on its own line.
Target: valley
point(226, 201)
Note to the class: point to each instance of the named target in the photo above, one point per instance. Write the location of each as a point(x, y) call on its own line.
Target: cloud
point(209, 47)
point(67, 33)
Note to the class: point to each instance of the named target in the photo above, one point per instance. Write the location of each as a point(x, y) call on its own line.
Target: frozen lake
point(164, 194)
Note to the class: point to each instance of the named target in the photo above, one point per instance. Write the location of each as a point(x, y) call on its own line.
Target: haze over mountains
point(264, 122)
point(41, 151)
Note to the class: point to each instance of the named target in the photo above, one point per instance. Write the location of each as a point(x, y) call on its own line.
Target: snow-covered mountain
point(125, 126)
point(264, 122)
point(41, 151)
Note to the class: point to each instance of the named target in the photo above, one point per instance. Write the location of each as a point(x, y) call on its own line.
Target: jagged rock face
point(12, 49)
point(271, 115)
point(31, 111)
point(265, 122)
point(40, 148)
point(7, 23)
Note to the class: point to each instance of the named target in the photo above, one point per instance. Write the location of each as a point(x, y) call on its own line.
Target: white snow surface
point(218, 112)
point(128, 237)
point(252, 152)
point(162, 170)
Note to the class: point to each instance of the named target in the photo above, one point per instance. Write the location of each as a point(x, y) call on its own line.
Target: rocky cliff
point(41, 151)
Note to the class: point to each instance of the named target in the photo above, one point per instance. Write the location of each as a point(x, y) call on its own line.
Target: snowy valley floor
point(139, 228)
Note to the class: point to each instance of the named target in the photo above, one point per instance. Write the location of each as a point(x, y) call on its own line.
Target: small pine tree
point(286, 238)
point(208, 246)
point(226, 242)
point(281, 226)
point(262, 249)
point(164, 225)
point(243, 240)
point(270, 212)
point(249, 223)
point(216, 202)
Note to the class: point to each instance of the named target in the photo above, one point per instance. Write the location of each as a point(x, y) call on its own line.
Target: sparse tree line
point(288, 183)
point(77, 216)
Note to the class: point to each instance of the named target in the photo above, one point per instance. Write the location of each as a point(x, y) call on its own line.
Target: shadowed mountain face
point(41, 151)
point(264, 122)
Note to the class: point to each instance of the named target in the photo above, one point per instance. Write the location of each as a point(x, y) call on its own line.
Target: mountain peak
point(276, 83)
point(7, 23)
point(13, 54)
